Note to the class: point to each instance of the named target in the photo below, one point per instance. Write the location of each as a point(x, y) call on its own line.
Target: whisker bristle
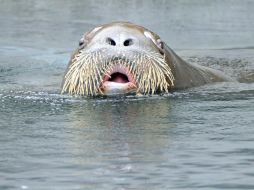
point(87, 69)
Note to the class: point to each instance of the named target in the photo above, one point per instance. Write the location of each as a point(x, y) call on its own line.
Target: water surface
point(200, 138)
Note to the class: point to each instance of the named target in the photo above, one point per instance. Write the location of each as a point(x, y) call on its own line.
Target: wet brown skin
point(191, 75)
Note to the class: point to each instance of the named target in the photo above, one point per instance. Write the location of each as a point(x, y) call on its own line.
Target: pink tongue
point(120, 79)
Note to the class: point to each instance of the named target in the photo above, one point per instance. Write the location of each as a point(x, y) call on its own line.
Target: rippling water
point(200, 138)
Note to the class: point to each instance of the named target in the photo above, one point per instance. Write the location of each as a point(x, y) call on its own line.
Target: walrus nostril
point(110, 41)
point(128, 42)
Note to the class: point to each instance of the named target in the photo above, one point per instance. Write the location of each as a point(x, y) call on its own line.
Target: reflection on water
point(200, 138)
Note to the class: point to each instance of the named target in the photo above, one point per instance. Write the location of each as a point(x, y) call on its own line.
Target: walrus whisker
point(156, 73)
point(86, 71)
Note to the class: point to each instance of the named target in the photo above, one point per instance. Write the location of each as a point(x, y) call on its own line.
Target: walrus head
point(118, 58)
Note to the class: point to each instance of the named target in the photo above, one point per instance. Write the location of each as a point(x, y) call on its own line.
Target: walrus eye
point(81, 42)
point(110, 41)
point(160, 43)
point(128, 42)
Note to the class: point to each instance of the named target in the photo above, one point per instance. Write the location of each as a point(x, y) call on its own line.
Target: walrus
point(124, 58)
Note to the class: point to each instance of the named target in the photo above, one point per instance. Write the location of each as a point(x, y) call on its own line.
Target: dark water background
point(200, 138)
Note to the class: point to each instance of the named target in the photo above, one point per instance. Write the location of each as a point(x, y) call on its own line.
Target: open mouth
point(119, 78)
point(118, 81)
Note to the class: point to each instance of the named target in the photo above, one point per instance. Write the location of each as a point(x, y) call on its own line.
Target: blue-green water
point(200, 138)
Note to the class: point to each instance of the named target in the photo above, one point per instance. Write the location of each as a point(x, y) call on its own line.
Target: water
point(200, 138)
